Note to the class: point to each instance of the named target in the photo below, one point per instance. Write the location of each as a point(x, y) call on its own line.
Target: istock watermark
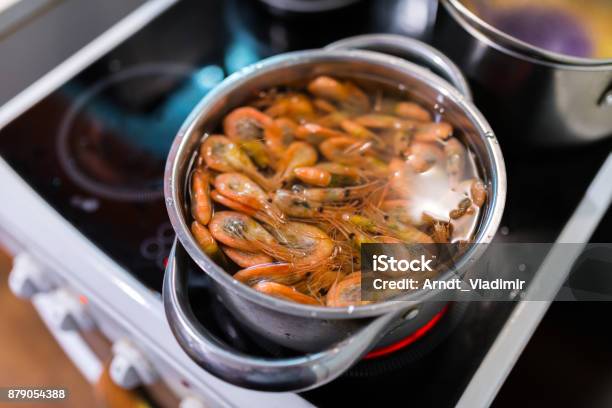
point(488, 272)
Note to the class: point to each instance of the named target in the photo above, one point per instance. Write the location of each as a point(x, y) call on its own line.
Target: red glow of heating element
point(165, 262)
point(383, 351)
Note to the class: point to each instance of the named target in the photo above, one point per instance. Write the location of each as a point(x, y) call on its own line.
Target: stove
point(82, 175)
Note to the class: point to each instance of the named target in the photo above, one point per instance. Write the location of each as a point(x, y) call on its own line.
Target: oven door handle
point(259, 373)
point(411, 50)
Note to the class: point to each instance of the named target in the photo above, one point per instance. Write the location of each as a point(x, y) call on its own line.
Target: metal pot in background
point(307, 6)
point(527, 93)
point(345, 334)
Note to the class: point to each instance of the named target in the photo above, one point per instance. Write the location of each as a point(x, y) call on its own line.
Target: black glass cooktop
point(95, 150)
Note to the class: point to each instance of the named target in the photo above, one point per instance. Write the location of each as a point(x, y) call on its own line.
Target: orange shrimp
point(422, 156)
point(347, 94)
point(408, 233)
point(346, 292)
point(478, 193)
point(333, 194)
point(357, 130)
point(234, 205)
point(223, 155)
point(298, 154)
point(295, 106)
point(344, 150)
point(279, 136)
point(246, 123)
point(246, 259)
point(381, 121)
point(332, 120)
point(239, 231)
point(205, 240)
point(411, 110)
point(274, 272)
point(284, 292)
point(313, 175)
point(201, 207)
point(324, 106)
point(433, 132)
point(310, 246)
point(243, 190)
point(313, 132)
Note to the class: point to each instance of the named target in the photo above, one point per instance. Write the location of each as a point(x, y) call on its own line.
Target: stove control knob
point(191, 402)
point(129, 368)
point(68, 313)
point(27, 277)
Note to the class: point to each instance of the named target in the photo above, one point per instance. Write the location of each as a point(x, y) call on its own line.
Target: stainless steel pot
point(530, 95)
point(344, 333)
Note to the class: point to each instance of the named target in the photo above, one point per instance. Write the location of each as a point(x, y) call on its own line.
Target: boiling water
point(436, 195)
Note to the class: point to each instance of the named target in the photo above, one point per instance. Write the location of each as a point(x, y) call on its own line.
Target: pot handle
point(412, 50)
point(259, 373)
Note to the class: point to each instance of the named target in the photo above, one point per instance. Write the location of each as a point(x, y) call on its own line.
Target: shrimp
point(298, 206)
point(205, 240)
point(235, 205)
point(250, 126)
point(313, 132)
point(295, 206)
point(408, 233)
point(333, 194)
point(324, 106)
point(422, 156)
point(243, 190)
point(246, 123)
point(318, 283)
point(342, 175)
point(411, 110)
point(357, 130)
point(346, 292)
point(246, 126)
point(302, 245)
point(441, 232)
point(239, 231)
point(295, 106)
point(223, 155)
point(281, 135)
point(381, 121)
point(348, 151)
point(274, 272)
point(246, 259)
point(201, 206)
point(284, 292)
point(348, 95)
point(478, 193)
point(310, 246)
point(433, 132)
point(332, 120)
point(298, 154)
point(455, 159)
point(313, 175)
point(328, 174)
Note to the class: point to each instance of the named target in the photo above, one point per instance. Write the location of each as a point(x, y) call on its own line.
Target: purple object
point(553, 30)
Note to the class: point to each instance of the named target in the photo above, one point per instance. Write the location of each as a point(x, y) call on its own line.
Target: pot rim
point(174, 203)
point(509, 44)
